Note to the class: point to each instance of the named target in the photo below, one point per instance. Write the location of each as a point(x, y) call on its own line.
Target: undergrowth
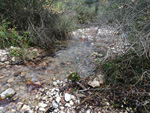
point(128, 77)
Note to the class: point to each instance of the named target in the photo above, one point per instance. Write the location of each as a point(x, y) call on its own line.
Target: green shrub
point(127, 70)
point(9, 36)
point(40, 18)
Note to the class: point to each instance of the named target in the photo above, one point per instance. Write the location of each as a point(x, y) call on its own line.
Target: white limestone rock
point(67, 97)
point(7, 93)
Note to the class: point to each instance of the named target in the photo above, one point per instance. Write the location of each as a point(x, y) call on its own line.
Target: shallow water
point(76, 57)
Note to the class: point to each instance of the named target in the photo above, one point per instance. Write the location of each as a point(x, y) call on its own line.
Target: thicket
point(132, 69)
point(42, 19)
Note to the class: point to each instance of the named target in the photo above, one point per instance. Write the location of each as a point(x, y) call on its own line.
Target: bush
point(40, 18)
point(131, 18)
point(10, 37)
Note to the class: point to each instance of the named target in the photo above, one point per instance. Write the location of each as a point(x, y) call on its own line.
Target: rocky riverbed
point(40, 84)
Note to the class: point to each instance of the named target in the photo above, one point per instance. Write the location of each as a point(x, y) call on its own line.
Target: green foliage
point(126, 70)
point(43, 19)
point(74, 77)
point(9, 36)
point(84, 14)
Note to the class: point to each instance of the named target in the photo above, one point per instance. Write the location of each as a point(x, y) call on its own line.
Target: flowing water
point(77, 56)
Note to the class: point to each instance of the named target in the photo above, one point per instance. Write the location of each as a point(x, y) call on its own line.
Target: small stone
point(55, 83)
point(107, 103)
point(115, 52)
point(61, 107)
point(56, 110)
point(54, 79)
point(94, 83)
point(23, 74)
point(73, 97)
point(62, 112)
point(88, 111)
point(1, 108)
point(13, 59)
point(53, 90)
point(67, 97)
point(71, 102)
point(7, 93)
point(44, 98)
point(100, 78)
point(58, 99)
point(13, 111)
point(4, 58)
point(58, 81)
point(42, 109)
point(54, 104)
point(7, 62)
point(25, 108)
point(11, 80)
point(19, 105)
point(67, 105)
point(42, 105)
point(17, 73)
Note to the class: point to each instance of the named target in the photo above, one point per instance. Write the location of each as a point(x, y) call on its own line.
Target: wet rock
point(10, 80)
point(54, 104)
point(19, 105)
point(67, 97)
point(23, 74)
point(2, 75)
point(7, 93)
point(17, 73)
point(25, 108)
point(42, 105)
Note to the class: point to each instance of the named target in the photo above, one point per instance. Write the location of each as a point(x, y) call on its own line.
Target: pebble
point(71, 102)
point(25, 108)
point(88, 111)
point(67, 97)
point(58, 99)
point(54, 104)
point(10, 80)
point(73, 97)
point(67, 105)
point(4, 58)
point(61, 107)
point(1, 108)
point(42, 105)
point(23, 74)
point(42, 109)
point(13, 59)
point(94, 83)
point(8, 92)
point(13, 111)
point(19, 105)
point(55, 83)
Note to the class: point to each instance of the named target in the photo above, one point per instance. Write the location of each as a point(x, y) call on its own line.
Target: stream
point(81, 53)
